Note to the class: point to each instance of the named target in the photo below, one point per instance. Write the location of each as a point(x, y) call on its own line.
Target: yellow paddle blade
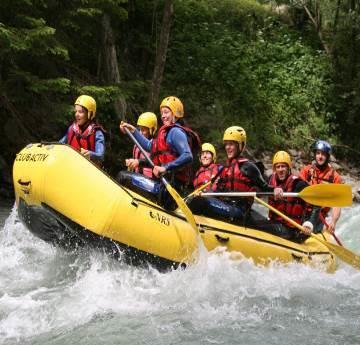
point(331, 195)
point(182, 205)
point(341, 252)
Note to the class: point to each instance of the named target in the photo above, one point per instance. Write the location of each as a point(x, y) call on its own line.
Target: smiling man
point(321, 171)
point(239, 174)
point(284, 181)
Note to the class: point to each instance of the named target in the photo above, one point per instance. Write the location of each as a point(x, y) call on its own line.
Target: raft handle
point(296, 257)
point(222, 239)
point(23, 183)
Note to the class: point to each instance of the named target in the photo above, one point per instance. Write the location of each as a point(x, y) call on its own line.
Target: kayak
point(66, 200)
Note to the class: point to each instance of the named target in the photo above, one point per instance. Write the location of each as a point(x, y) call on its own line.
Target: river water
point(49, 296)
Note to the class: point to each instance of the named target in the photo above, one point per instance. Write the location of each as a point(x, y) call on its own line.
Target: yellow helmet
point(174, 104)
point(281, 157)
point(236, 133)
point(148, 120)
point(88, 103)
point(209, 147)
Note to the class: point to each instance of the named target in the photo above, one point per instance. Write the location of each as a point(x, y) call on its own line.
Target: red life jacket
point(232, 178)
point(294, 208)
point(204, 175)
point(82, 139)
point(146, 171)
point(313, 175)
point(163, 153)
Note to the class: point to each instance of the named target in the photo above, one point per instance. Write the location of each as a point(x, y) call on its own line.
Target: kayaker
point(147, 125)
point(295, 208)
point(171, 149)
point(321, 171)
point(85, 135)
point(208, 169)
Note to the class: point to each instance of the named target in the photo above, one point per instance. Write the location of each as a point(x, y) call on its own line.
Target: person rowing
point(172, 148)
point(238, 175)
point(318, 172)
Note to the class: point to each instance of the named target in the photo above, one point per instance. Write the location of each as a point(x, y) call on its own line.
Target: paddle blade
point(331, 195)
point(342, 253)
point(196, 191)
point(182, 205)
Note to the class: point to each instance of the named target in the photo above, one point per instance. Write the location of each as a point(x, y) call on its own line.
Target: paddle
point(344, 254)
point(337, 239)
point(319, 194)
point(179, 201)
point(327, 227)
point(202, 187)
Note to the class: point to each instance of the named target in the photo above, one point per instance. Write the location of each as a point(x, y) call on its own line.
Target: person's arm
point(64, 139)
point(99, 152)
point(299, 185)
point(310, 221)
point(177, 139)
point(251, 171)
point(314, 215)
point(144, 143)
point(336, 213)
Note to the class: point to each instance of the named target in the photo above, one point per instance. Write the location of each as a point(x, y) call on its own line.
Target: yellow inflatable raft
point(66, 200)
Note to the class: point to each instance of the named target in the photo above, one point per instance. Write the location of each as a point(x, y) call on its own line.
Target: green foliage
point(55, 86)
point(232, 62)
point(295, 81)
point(236, 63)
point(29, 51)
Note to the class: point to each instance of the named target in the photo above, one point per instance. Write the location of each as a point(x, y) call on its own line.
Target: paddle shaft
point(343, 253)
point(247, 194)
point(146, 154)
point(328, 195)
point(202, 187)
point(292, 222)
point(332, 233)
point(179, 201)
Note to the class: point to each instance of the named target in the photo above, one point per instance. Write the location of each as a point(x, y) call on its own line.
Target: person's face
point(231, 148)
point(167, 116)
point(281, 171)
point(320, 157)
point(145, 131)
point(81, 116)
point(206, 158)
